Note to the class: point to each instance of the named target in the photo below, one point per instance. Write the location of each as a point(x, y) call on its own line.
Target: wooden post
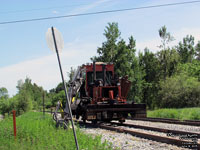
point(43, 105)
point(14, 123)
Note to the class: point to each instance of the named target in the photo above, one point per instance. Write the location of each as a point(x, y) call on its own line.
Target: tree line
point(30, 96)
point(168, 78)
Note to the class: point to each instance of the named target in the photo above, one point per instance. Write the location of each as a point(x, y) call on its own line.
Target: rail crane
point(97, 94)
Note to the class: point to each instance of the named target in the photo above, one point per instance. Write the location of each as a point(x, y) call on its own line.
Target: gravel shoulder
point(128, 142)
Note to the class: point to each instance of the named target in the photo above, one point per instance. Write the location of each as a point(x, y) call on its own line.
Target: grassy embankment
point(37, 133)
point(182, 114)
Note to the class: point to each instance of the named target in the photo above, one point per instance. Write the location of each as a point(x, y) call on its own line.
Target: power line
point(100, 12)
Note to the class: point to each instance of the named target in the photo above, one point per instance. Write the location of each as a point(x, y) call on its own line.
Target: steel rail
point(170, 121)
point(168, 140)
point(167, 131)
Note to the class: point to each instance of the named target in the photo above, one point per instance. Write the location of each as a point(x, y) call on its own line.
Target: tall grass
point(182, 114)
point(37, 133)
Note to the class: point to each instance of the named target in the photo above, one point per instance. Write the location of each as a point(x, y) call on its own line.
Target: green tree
point(186, 49)
point(58, 93)
point(30, 95)
point(4, 106)
point(19, 84)
point(24, 102)
point(123, 60)
point(3, 93)
point(109, 48)
point(165, 36)
point(197, 51)
point(60, 96)
point(135, 72)
point(115, 50)
point(137, 81)
point(150, 65)
point(168, 57)
point(59, 87)
point(189, 69)
point(168, 60)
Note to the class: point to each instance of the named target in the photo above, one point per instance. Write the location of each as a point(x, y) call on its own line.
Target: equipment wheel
point(62, 124)
point(132, 115)
point(94, 122)
point(121, 121)
point(77, 116)
point(54, 117)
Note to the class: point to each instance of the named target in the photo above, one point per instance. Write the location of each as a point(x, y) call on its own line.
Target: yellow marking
point(73, 99)
point(61, 110)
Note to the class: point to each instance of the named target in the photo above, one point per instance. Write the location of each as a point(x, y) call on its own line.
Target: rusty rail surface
point(171, 121)
point(167, 131)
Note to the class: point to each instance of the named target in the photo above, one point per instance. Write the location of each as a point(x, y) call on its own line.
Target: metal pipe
point(43, 104)
point(67, 98)
point(14, 123)
point(104, 73)
point(94, 71)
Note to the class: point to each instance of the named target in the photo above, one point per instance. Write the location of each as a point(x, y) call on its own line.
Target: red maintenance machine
point(96, 94)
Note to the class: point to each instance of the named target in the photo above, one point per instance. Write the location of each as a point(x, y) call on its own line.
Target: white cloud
point(187, 31)
point(45, 71)
point(55, 12)
point(90, 6)
point(84, 9)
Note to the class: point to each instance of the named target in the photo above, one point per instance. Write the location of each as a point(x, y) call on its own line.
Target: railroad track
point(173, 137)
point(171, 121)
point(167, 131)
point(169, 140)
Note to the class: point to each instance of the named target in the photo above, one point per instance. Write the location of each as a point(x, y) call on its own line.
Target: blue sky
point(23, 48)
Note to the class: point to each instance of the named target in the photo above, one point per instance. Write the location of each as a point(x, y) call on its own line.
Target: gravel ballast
point(122, 141)
point(129, 142)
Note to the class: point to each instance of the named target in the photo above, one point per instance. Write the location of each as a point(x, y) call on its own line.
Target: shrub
point(179, 91)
